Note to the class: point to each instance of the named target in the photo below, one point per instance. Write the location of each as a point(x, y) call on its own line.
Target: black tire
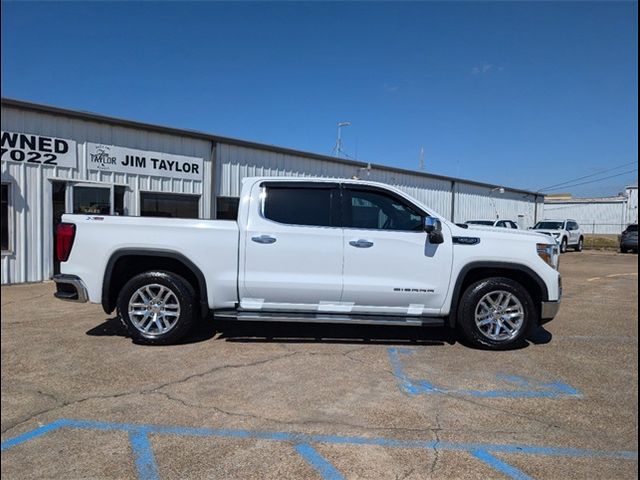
point(182, 291)
point(563, 245)
point(623, 250)
point(580, 245)
point(469, 302)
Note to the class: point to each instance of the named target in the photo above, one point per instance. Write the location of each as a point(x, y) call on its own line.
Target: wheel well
point(534, 286)
point(124, 267)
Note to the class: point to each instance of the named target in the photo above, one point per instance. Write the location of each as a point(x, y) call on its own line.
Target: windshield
point(632, 228)
point(549, 225)
point(480, 222)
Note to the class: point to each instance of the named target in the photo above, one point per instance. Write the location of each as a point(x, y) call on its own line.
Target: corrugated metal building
point(599, 216)
point(57, 161)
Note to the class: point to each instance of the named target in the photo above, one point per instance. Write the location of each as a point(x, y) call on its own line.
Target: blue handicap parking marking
point(303, 445)
point(143, 453)
point(515, 385)
point(326, 470)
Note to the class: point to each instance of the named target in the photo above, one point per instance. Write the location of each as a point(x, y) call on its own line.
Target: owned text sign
point(38, 150)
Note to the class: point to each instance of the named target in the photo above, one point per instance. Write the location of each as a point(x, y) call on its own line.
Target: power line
point(587, 176)
point(603, 178)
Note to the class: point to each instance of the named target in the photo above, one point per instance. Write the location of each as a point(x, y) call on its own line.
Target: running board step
point(329, 318)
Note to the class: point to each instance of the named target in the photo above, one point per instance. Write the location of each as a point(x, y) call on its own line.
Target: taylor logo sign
point(38, 150)
point(110, 158)
point(101, 159)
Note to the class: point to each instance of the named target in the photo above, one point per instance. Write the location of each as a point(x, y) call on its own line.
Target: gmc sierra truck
point(312, 250)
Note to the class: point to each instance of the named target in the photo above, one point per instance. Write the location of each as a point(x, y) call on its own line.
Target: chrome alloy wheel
point(499, 315)
point(154, 309)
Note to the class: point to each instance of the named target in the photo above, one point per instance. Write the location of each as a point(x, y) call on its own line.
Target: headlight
point(556, 234)
point(549, 253)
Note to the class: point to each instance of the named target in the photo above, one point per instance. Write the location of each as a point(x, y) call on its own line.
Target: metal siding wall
point(594, 218)
point(474, 202)
point(235, 163)
point(31, 191)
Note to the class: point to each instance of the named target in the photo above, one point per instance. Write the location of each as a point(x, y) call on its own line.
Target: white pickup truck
point(312, 250)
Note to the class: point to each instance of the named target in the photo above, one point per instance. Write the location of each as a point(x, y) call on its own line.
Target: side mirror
point(433, 227)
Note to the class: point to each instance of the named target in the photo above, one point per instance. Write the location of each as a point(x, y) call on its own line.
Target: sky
point(518, 94)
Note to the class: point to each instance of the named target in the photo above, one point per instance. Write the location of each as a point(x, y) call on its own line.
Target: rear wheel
point(496, 313)
point(580, 245)
point(157, 308)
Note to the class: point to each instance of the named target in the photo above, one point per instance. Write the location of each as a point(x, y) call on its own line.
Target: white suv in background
point(566, 232)
point(494, 223)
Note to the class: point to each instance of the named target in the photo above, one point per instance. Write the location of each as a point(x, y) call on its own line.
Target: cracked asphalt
point(65, 360)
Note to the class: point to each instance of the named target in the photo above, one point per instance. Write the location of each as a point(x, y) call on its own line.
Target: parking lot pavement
point(80, 400)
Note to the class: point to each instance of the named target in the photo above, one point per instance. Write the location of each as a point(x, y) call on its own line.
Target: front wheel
point(157, 308)
point(563, 245)
point(496, 313)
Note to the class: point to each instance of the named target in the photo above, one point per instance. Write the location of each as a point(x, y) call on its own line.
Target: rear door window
point(300, 205)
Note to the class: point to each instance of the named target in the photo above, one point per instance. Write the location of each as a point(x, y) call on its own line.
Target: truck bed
point(212, 245)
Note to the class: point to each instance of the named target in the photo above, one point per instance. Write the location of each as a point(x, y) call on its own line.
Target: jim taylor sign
point(109, 158)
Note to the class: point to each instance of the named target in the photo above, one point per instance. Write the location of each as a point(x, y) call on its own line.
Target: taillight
point(65, 233)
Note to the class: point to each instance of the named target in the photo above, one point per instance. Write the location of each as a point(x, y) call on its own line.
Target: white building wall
point(225, 165)
point(472, 202)
point(31, 258)
point(595, 217)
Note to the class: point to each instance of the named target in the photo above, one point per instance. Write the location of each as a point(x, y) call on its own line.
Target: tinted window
point(572, 226)
point(5, 216)
point(379, 211)
point(299, 206)
point(501, 223)
point(168, 205)
point(513, 225)
point(549, 225)
point(227, 208)
point(630, 228)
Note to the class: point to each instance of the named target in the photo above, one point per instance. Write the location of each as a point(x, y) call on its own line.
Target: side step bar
point(328, 318)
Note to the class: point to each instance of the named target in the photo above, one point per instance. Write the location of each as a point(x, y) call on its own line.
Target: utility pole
point(422, 159)
point(337, 150)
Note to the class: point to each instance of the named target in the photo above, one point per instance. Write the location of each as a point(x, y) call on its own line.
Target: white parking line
point(612, 275)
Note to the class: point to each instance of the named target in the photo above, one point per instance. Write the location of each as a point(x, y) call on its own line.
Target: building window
point(92, 200)
point(5, 217)
point(118, 200)
point(227, 208)
point(174, 205)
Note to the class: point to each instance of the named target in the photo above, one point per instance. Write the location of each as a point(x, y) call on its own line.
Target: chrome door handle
point(264, 239)
point(361, 243)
